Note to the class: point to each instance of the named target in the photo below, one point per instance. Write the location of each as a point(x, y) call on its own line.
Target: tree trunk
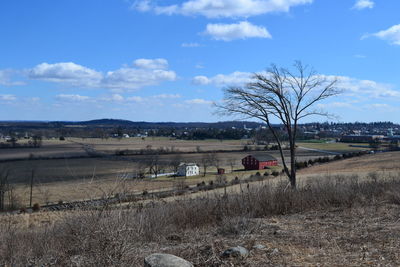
point(292, 177)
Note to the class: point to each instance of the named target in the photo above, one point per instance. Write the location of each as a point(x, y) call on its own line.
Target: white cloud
point(144, 63)
point(71, 97)
point(364, 88)
point(201, 80)
point(198, 101)
point(5, 78)
point(138, 99)
point(380, 105)
point(353, 87)
point(135, 99)
point(143, 5)
point(221, 8)
point(7, 98)
point(236, 78)
point(167, 96)
point(117, 98)
point(362, 4)
point(130, 78)
point(66, 72)
point(392, 35)
point(241, 30)
point(146, 72)
point(190, 45)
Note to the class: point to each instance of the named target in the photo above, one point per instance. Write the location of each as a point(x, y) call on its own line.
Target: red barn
point(253, 162)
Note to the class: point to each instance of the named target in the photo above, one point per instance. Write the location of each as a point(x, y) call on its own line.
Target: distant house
point(188, 169)
point(253, 162)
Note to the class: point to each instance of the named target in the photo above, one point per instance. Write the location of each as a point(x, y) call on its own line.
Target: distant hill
point(113, 123)
point(157, 125)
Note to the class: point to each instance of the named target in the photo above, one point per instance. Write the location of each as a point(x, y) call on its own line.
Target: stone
point(258, 246)
point(165, 260)
point(275, 252)
point(236, 252)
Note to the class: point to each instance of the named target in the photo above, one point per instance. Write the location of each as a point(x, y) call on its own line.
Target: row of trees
point(35, 142)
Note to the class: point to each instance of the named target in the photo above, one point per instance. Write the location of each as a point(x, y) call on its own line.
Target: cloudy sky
point(168, 60)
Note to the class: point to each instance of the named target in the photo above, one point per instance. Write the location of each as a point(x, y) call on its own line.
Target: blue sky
point(168, 60)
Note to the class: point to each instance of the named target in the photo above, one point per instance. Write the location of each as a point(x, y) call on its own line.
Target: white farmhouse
point(188, 169)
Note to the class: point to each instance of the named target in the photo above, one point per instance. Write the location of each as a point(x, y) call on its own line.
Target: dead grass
point(388, 161)
point(335, 221)
point(334, 147)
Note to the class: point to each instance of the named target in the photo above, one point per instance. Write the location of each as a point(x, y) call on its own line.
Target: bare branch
point(282, 94)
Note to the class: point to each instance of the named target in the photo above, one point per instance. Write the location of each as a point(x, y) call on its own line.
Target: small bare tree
point(175, 161)
point(154, 164)
point(4, 187)
point(283, 95)
point(232, 163)
point(207, 160)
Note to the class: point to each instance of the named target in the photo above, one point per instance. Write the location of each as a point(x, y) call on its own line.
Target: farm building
point(188, 169)
point(252, 162)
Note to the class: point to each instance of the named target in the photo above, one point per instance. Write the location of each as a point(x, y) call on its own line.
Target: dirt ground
point(360, 236)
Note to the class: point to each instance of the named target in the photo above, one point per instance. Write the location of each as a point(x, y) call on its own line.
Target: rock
point(165, 260)
point(275, 252)
point(236, 252)
point(258, 246)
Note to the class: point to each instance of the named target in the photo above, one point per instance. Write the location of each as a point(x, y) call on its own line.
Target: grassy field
point(333, 147)
point(71, 179)
point(73, 147)
point(334, 221)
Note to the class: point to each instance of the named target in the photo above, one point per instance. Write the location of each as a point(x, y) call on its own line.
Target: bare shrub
point(113, 236)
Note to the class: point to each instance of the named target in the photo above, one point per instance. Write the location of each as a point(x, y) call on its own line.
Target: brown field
point(74, 147)
point(85, 178)
point(389, 161)
point(50, 148)
point(337, 221)
point(77, 179)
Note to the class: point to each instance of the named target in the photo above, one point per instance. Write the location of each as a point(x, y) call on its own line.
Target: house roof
point(265, 157)
point(188, 164)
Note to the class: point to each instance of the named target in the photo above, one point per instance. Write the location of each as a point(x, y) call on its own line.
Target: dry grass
point(334, 147)
point(368, 163)
point(335, 221)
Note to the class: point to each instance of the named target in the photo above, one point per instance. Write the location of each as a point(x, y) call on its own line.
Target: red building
point(253, 162)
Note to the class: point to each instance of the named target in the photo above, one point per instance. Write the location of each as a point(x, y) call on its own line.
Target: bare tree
point(3, 187)
point(232, 163)
point(214, 160)
point(33, 171)
point(140, 169)
point(207, 160)
point(175, 161)
point(283, 95)
point(154, 164)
